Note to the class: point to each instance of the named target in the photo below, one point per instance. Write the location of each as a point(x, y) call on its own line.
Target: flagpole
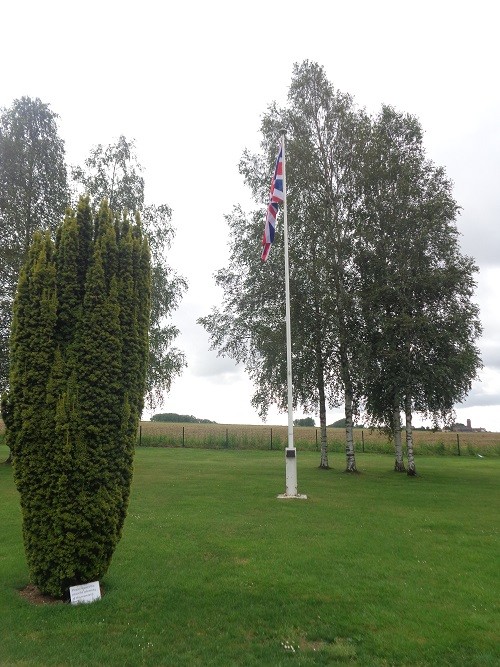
point(287, 304)
point(290, 452)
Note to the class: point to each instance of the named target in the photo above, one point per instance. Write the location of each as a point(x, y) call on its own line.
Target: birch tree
point(325, 136)
point(416, 287)
point(113, 172)
point(33, 196)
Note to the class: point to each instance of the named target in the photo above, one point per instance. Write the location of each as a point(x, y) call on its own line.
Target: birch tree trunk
point(322, 422)
point(322, 410)
point(349, 440)
point(399, 464)
point(409, 438)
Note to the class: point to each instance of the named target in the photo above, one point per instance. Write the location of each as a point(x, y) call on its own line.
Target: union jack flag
point(276, 195)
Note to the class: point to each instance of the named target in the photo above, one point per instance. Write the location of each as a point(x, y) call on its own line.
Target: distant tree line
point(174, 417)
point(305, 421)
point(341, 423)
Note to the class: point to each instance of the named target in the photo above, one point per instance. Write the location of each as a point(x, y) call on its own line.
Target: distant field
point(306, 438)
point(234, 436)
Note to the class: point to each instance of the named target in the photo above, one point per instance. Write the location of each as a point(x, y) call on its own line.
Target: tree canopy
point(325, 139)
point(415, 288)
point(33, 195)
point(113, 172)
point(373, 255)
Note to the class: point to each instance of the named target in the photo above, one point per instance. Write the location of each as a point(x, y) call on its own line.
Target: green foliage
point(415, 286)
point(324, 149)
point(306, 421)
point(78, 361)
point(174, 417)
point(113, 172)
point(382, 316)
point(33, 195)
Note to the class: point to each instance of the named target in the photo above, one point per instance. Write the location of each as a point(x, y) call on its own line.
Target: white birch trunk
point(324, 444)
point(324, 448)
point(322, 400)
point(349, 440)
point(399, 464)
point(409, 438)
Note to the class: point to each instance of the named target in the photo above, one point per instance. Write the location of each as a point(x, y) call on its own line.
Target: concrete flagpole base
point(291, 476)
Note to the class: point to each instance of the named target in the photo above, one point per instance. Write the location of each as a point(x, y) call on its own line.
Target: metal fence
point(212, 436)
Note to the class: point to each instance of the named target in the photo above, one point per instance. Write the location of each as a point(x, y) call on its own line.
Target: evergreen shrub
point(79, 349)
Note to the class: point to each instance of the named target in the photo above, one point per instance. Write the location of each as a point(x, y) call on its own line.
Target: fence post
point(458, 444)
point(271, 439)
point(363, 440)
point(183, 436)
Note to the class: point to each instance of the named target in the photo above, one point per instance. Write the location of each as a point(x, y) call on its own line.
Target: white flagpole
point(290, 452)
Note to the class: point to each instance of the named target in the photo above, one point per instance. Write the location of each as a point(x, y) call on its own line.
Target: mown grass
point(373, 569)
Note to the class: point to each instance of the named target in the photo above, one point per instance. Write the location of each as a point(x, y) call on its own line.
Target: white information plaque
point(85, 593)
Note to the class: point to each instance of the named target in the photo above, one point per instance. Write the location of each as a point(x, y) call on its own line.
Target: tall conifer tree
point(78, 365)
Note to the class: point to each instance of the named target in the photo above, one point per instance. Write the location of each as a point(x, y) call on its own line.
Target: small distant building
point(467, 428)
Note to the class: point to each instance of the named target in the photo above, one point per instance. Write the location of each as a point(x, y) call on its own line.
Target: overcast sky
point(189, 82)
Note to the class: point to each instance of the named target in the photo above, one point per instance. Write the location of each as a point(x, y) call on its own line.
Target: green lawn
point(373, 569)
